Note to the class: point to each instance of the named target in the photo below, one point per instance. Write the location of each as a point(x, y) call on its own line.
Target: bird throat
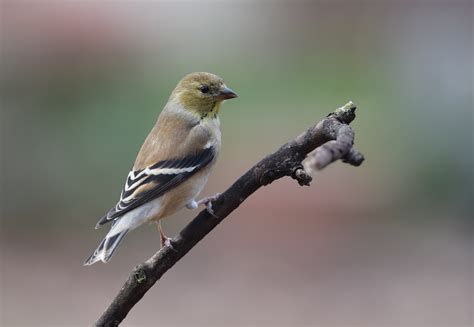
point(203, 108)
point(213, 112)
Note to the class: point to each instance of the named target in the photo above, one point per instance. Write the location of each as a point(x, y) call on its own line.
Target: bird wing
point(146, 184)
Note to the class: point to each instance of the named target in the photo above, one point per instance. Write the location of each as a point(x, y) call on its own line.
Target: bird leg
point(207, 201)
point(164, 240)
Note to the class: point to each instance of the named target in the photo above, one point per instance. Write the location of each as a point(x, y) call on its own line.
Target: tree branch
point(329, 140)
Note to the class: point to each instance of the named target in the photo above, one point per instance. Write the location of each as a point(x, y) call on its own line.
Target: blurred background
point(387, 244)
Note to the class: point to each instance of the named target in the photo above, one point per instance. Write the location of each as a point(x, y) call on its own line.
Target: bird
point(173, 164)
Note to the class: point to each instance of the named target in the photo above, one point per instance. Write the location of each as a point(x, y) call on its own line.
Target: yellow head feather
point(202, 93)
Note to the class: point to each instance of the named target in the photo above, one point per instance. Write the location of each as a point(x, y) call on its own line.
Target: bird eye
point(204, 88)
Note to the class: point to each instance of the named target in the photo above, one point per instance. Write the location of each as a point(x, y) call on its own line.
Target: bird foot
point(207, 201)
point(166, 242)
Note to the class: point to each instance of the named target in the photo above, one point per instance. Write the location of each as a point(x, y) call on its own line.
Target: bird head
point(202, 93)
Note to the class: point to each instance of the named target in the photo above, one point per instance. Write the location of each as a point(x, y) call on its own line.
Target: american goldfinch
point(173, 164)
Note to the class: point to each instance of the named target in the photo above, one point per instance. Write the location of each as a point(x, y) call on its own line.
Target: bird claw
point(209, 209)
point(166, 242)
point(208, 203)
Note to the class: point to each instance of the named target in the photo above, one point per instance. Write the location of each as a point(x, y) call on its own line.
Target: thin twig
point(329, 140)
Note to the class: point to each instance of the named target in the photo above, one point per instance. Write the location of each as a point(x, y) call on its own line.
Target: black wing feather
point(164, 182)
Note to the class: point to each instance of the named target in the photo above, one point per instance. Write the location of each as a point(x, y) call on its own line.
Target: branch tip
point(346, 113)
point(354, 158)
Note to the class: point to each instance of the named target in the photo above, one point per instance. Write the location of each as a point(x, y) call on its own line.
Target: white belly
point(137, 216)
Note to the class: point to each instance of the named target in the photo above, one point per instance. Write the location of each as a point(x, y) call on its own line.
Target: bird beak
point(225, 93)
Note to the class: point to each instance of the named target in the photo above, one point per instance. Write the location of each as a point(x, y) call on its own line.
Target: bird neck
point(211, 114)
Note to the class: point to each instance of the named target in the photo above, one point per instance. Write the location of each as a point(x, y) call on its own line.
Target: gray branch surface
point(329, 140)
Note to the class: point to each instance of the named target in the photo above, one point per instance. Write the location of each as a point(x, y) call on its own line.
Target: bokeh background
point(387, 244)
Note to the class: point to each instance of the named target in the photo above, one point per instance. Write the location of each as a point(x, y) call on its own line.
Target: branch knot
point(139, 275)
point(300, 175)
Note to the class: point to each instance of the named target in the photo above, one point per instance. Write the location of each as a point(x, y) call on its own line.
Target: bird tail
point(106, 247)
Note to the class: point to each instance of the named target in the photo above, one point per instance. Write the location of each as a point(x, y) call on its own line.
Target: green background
point(388, 243)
